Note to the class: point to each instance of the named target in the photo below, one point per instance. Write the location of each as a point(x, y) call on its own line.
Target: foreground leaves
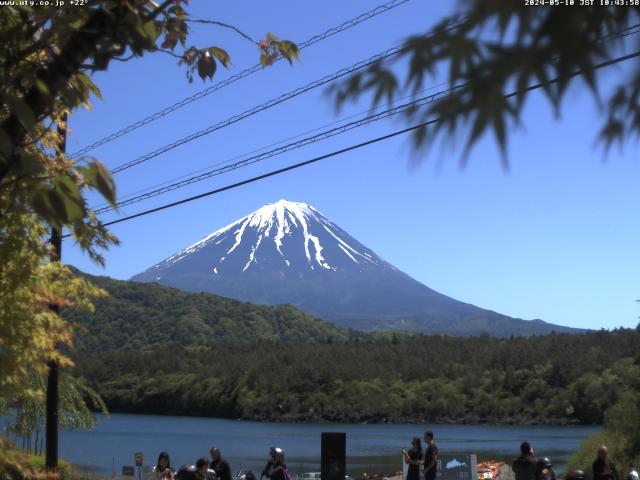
point(30, 333)
point(492, 51)
point(47, 58)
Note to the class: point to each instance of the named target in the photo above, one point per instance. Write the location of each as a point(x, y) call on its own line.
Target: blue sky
point(556, 237)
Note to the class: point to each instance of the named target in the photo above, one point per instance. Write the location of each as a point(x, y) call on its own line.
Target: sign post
point(457, 467)
point(139, 457)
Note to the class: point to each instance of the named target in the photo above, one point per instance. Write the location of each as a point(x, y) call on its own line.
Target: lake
point(373, 448)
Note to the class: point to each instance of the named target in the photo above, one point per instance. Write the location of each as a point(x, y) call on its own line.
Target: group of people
point(217, 468)
point(422, 465)
point(419, 462)
point(528, 467)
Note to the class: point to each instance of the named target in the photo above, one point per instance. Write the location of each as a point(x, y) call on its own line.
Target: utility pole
point(51, 454)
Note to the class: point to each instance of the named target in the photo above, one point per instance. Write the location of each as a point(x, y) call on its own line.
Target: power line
point(259, 108)
point(272, 173)
point(380, 9)
point(356, 146)
point(206, 172)
point(285, 97)
point(282, 149)
point(268, 104)
point(261, 150)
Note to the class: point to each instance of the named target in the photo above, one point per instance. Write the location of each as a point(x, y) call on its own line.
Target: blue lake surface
point(374, 448)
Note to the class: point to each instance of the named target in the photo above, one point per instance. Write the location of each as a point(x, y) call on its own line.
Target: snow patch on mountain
point(276, 222)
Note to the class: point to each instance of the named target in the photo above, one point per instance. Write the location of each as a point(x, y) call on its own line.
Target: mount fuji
point(289, 253)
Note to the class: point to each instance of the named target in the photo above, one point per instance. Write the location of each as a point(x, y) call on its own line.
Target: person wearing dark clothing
point(545, 469)
point(186, 472)
point(525, 467)
point(270, 462)
point(277, 473)
point(267, 469)
point(219, 464)
point(278, 470)
point(603, 467)
point(163, 470)
point(430, 456)
point(199, 471)
point(413, 458)
point(203, 472)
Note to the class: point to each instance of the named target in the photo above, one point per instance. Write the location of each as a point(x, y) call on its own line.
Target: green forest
point(154, 349)
point(556, 379)
point(143, 316)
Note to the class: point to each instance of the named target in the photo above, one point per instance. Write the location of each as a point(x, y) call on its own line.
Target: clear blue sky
point(555, 238)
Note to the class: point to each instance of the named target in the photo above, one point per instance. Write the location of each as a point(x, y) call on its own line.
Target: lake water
point(371, 447)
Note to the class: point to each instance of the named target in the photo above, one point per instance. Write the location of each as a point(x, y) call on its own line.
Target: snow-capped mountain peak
point(284, 234)
point(289, 253)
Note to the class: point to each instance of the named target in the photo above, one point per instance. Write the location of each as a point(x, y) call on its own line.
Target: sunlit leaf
point(103, 182)
point(150, 31)
point(221, 55)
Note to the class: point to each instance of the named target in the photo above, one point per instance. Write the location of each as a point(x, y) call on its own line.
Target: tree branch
point(123, 59)
point(225, 25)
point(169, 52)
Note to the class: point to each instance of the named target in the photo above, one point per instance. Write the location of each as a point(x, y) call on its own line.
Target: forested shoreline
point(157, 350)
point(554, 379)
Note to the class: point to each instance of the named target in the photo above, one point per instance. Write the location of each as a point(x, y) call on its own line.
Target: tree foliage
point(29, 331)
point(620, 434)
point(559, 378)
point(144, 316)
point(45, 65)
point(47, 58)
point(16, 464)
point(154, 349)
point(492, 52)
point(77, 402)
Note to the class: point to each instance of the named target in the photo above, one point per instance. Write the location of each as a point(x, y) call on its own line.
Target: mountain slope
point(137, 316)
point(288, 252)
